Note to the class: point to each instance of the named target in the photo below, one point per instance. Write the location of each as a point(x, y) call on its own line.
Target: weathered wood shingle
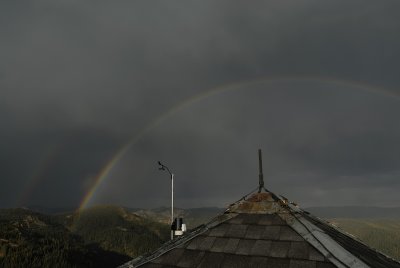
point(261, 232)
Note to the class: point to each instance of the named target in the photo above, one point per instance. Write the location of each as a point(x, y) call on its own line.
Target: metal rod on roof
point(163, 167)
point(260, 176)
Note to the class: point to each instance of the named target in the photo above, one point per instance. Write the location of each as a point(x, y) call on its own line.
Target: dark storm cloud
point(314, 145)
point(90, 76)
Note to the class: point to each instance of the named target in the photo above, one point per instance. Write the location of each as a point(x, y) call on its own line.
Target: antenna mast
point(260, 175)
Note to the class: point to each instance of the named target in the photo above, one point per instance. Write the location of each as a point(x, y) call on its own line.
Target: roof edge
point(172, 244)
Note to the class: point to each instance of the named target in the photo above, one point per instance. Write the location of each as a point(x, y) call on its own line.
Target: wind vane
point(260, 175)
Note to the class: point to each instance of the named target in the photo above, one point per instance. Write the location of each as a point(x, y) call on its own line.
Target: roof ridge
point(267, 218)
point(329, 229)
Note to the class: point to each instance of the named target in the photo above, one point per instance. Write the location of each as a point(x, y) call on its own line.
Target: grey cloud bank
point(79, 80)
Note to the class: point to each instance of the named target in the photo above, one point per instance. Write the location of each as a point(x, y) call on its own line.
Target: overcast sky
point(79, 80)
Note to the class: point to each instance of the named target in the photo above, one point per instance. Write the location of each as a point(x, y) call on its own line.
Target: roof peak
point(264, 227)
point(258, 203)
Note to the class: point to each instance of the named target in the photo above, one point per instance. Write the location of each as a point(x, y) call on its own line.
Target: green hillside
point(381, 234)
point(98, 237)
point(29, 239)
point(115, 229)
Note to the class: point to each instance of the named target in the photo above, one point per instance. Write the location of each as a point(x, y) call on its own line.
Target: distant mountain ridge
point(355, 212)
point(192, 217)
point(163, 214)
point(196, 216)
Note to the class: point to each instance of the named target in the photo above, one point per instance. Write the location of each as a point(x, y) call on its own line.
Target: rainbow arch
point(105, 170)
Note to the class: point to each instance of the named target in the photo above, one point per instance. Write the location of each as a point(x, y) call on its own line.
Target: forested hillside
point(29, 239)
point(117, 230)
point(106, 236)
point(98, 237)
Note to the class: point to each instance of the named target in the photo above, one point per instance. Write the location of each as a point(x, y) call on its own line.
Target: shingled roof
point(264, 230)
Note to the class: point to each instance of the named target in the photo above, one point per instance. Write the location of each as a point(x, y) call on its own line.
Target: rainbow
point(38, 174)
point(105, 171)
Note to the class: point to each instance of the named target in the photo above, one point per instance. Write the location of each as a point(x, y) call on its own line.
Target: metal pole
point(162, 167)
point(172, 204)
point(260, 176)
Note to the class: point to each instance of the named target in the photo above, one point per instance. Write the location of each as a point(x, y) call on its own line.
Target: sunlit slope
point(118, 230)
point(381, 234)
